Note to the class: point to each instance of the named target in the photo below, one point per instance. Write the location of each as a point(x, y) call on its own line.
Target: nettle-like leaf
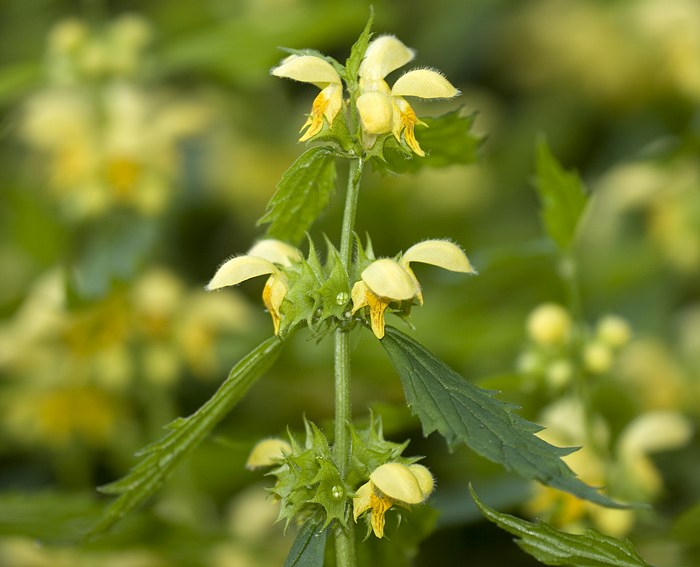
point(562, 195)
point(159, 459)
point(464, 413)
point(554, 547)
point(448, 140)
point(309, 545)
point(357, 52)
point(301, 196)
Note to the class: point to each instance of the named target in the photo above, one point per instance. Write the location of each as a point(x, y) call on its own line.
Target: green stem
point(345, 537)
point(569, 272)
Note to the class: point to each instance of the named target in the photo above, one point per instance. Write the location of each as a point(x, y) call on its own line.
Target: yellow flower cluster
point(382, 109)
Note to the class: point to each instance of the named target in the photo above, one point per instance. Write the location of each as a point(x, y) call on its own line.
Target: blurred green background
point(139, 144)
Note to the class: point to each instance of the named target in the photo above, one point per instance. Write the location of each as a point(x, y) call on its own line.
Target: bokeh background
point(139, 144)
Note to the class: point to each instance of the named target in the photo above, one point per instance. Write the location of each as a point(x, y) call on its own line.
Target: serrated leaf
point(301, 196)
point(464, 413)
point(448, 140)
point(159, 459)
point(357, 52)
point(309, 545)
point(562, 196)
point(554, 547)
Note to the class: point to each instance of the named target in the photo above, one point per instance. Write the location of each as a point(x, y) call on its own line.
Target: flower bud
point(549, 324)
point(613, 331)
point(597, 357)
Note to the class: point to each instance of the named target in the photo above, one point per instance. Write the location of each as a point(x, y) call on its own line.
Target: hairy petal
point(424, 83)
point(384, 55)
point(240, 269)
point(307, 69)
point(441, 253)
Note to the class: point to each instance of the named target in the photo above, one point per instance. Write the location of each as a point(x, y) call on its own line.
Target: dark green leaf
point(309, 545)
point(554, 547)
point(448, 140)
point(464, 413)
point(302, 195)
point(159, 459)
point(357, 52)
point(562, 196)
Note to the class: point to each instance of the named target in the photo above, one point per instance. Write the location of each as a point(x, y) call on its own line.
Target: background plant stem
point(345, 537)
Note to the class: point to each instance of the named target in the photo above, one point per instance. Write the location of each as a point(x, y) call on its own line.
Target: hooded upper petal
point(441, 253)
point(407, 484)
point(384, 55)
point(307, 69)
point(424, 83)
point(275, 251)
point(240, 269)
point(387, 278)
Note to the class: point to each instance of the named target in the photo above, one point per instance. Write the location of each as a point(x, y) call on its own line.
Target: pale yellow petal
point(441, 253)
point(359, 295)
point(397, 482)
point(376, 112)
point(361, 501)
point(426, 482)
point(655, 431)
point(240, 269)
point(307, 69)
point(387, 278)
point(273, 295)
point(275, 251)
point(267, 453)
point(424, 83)
point(384, 55)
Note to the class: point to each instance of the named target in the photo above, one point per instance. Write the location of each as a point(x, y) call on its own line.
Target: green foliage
point(309, 546)
point(47, 516)
point(554, 547)
point(318, 293)
point(302, 195)
point(158, 460)
point(562, 196)
point(448, 140)
point(357, 52)
point(308, 482)
point(108, 251)
point(464, 413)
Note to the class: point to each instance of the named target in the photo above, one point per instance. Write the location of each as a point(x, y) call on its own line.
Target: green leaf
point(464, 413)
point(562, 195)
point(357, 52)
point(159, 459)
point(51, 516)
point(554, 547)
point(448, 140)
point(309, 545)
point(302, 195)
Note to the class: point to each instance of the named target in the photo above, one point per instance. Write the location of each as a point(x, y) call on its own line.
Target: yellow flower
point(262, 259)
point(389, 484)
point(383, 109)
point(319, 72)
point(385, 280)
